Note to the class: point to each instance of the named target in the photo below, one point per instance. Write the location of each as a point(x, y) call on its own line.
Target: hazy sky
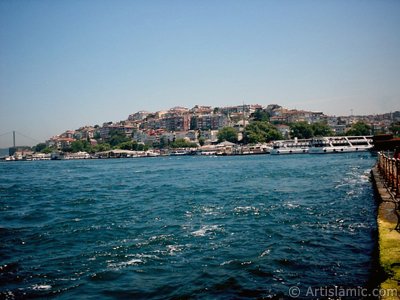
point(64, 64)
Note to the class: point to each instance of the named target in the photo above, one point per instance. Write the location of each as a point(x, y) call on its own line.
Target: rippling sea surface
point(195, 227)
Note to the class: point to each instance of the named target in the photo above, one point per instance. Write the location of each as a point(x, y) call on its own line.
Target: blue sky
point(64, 64)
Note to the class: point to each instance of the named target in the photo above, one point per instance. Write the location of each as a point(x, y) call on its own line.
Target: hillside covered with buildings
point(202, 125)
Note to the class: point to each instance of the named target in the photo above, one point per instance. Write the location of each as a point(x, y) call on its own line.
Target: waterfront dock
point(386, 180)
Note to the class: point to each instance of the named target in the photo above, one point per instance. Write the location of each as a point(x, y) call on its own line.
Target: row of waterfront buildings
point(205, 121)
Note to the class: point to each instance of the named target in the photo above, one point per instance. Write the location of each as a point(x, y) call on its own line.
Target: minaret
point(243, 117)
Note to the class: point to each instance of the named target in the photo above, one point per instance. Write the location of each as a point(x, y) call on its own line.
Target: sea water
point(193, 227)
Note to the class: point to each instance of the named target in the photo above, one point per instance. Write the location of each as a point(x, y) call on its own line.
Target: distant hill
point(4, 152)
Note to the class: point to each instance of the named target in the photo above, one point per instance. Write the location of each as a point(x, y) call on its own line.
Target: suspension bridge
point(8, 140)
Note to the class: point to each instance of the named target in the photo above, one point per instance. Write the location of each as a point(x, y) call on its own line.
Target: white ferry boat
point(339, 144)
point(295, 146)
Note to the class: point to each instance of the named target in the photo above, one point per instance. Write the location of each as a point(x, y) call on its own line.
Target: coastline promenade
point(386, 180)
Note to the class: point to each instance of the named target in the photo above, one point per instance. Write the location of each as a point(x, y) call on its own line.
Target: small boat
point(208, 153)
point(180, 152)
point(150, 153)
point(57, 156)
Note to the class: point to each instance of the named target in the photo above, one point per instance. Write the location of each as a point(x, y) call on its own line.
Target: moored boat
point(181, 152)
point(295, 146)
point(340, 144)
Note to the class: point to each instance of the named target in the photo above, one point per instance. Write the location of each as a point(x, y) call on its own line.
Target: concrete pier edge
point(388, 238)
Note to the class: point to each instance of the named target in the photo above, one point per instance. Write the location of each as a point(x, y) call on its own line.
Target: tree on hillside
point(101, 147)
point(301, 130)
point(227, 134)
point(39, 147)
point(260, 132)
point(260, 115)
point(131, 145)
point(359, 128)
point(193, 123)
point(163, 142)
point(202, 141)
point(81, 145)
point(126, 145)
point(117, 137)
point(395, 128)
point(97, 136)
point(182, 143)
point(321, 129)
point(77, 146)
point(47, 150)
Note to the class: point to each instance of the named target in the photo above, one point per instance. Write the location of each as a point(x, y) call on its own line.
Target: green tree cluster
point(395, 128)
point(39, 147)
point(260, 132)
point(117, 137)
point(193, 123)
point(321, 129)
point(227, 134)
point(202, 141)
point(86, 146)
point(81, 145)
point(100, 147)
point(132, 145)
point(359, 128)
point(303, 130)
point(182, 143)
point(260, 115)
point(42, 148)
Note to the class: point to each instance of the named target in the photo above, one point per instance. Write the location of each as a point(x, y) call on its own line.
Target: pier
point(386, 180)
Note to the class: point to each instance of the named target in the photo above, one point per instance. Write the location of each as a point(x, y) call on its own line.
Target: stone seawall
point(389, 238)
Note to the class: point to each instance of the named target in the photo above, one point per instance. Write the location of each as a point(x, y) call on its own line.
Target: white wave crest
point(41, 287)
point(206, 229)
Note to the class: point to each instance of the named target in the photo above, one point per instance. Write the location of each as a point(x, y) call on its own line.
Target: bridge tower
point(13, 149)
